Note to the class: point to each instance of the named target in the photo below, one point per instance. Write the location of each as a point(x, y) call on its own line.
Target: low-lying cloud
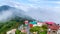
point(46, 10)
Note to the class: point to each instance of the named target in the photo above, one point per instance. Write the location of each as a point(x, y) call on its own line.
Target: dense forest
point(11, 24)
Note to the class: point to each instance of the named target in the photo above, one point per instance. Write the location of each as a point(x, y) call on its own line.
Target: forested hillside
point(11, 24)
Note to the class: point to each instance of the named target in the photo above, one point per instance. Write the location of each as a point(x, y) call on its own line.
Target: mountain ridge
point(14, 12)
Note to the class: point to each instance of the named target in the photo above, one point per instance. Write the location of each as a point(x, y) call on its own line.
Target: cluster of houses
point(53, 28)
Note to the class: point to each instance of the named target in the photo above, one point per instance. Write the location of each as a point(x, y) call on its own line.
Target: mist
point(37, 13)
point(9, 12)
point(45, 14)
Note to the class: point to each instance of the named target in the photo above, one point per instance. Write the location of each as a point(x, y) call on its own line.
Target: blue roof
point(34, 22)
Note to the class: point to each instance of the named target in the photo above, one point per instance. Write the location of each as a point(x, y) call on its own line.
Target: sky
point(46, 10)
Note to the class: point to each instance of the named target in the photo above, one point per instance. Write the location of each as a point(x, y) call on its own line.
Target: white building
point(58, 32)
point(11, 31)
point(38, 24)
point(35, 25)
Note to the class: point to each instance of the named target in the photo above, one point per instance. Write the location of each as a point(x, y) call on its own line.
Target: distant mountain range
point(8, 12)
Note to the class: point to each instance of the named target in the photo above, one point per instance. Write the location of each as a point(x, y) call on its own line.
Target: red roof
point(50, 22)
point(54, 27)
point(31, 25)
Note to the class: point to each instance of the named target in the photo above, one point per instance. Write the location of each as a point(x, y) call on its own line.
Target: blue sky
point(42, 3)
point(49, 9)
point(33, 3)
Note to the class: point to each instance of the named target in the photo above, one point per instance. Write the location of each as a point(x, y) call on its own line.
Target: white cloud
point(5, 15)
point(22, 6)
point(50, 9)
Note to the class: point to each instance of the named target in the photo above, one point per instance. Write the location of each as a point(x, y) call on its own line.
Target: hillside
point(11, 21)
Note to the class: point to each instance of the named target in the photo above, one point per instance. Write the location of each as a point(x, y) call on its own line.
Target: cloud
point(5, 15)
point(22, 6)
point(43, 10)
point(47, 10)
point(50, 14)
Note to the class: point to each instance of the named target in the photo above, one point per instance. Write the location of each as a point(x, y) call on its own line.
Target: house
point(23, 30)
point(52, 29)
point(58, 32)
point(49, 23)
point(11, 31)
point(38, 24)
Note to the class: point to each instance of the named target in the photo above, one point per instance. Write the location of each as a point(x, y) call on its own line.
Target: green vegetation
point(35, 29)
point(44, 27)
point(17, 31)
point(14, 23)
point(44, 32)
point(39, 30)
point(4, 27)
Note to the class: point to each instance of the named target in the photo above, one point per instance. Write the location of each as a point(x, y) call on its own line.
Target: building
point(52, 29)
point(38, 24)
point(58, 32)
point(11, 31)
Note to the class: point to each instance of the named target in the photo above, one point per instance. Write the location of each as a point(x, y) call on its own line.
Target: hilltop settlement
point(36, 27)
